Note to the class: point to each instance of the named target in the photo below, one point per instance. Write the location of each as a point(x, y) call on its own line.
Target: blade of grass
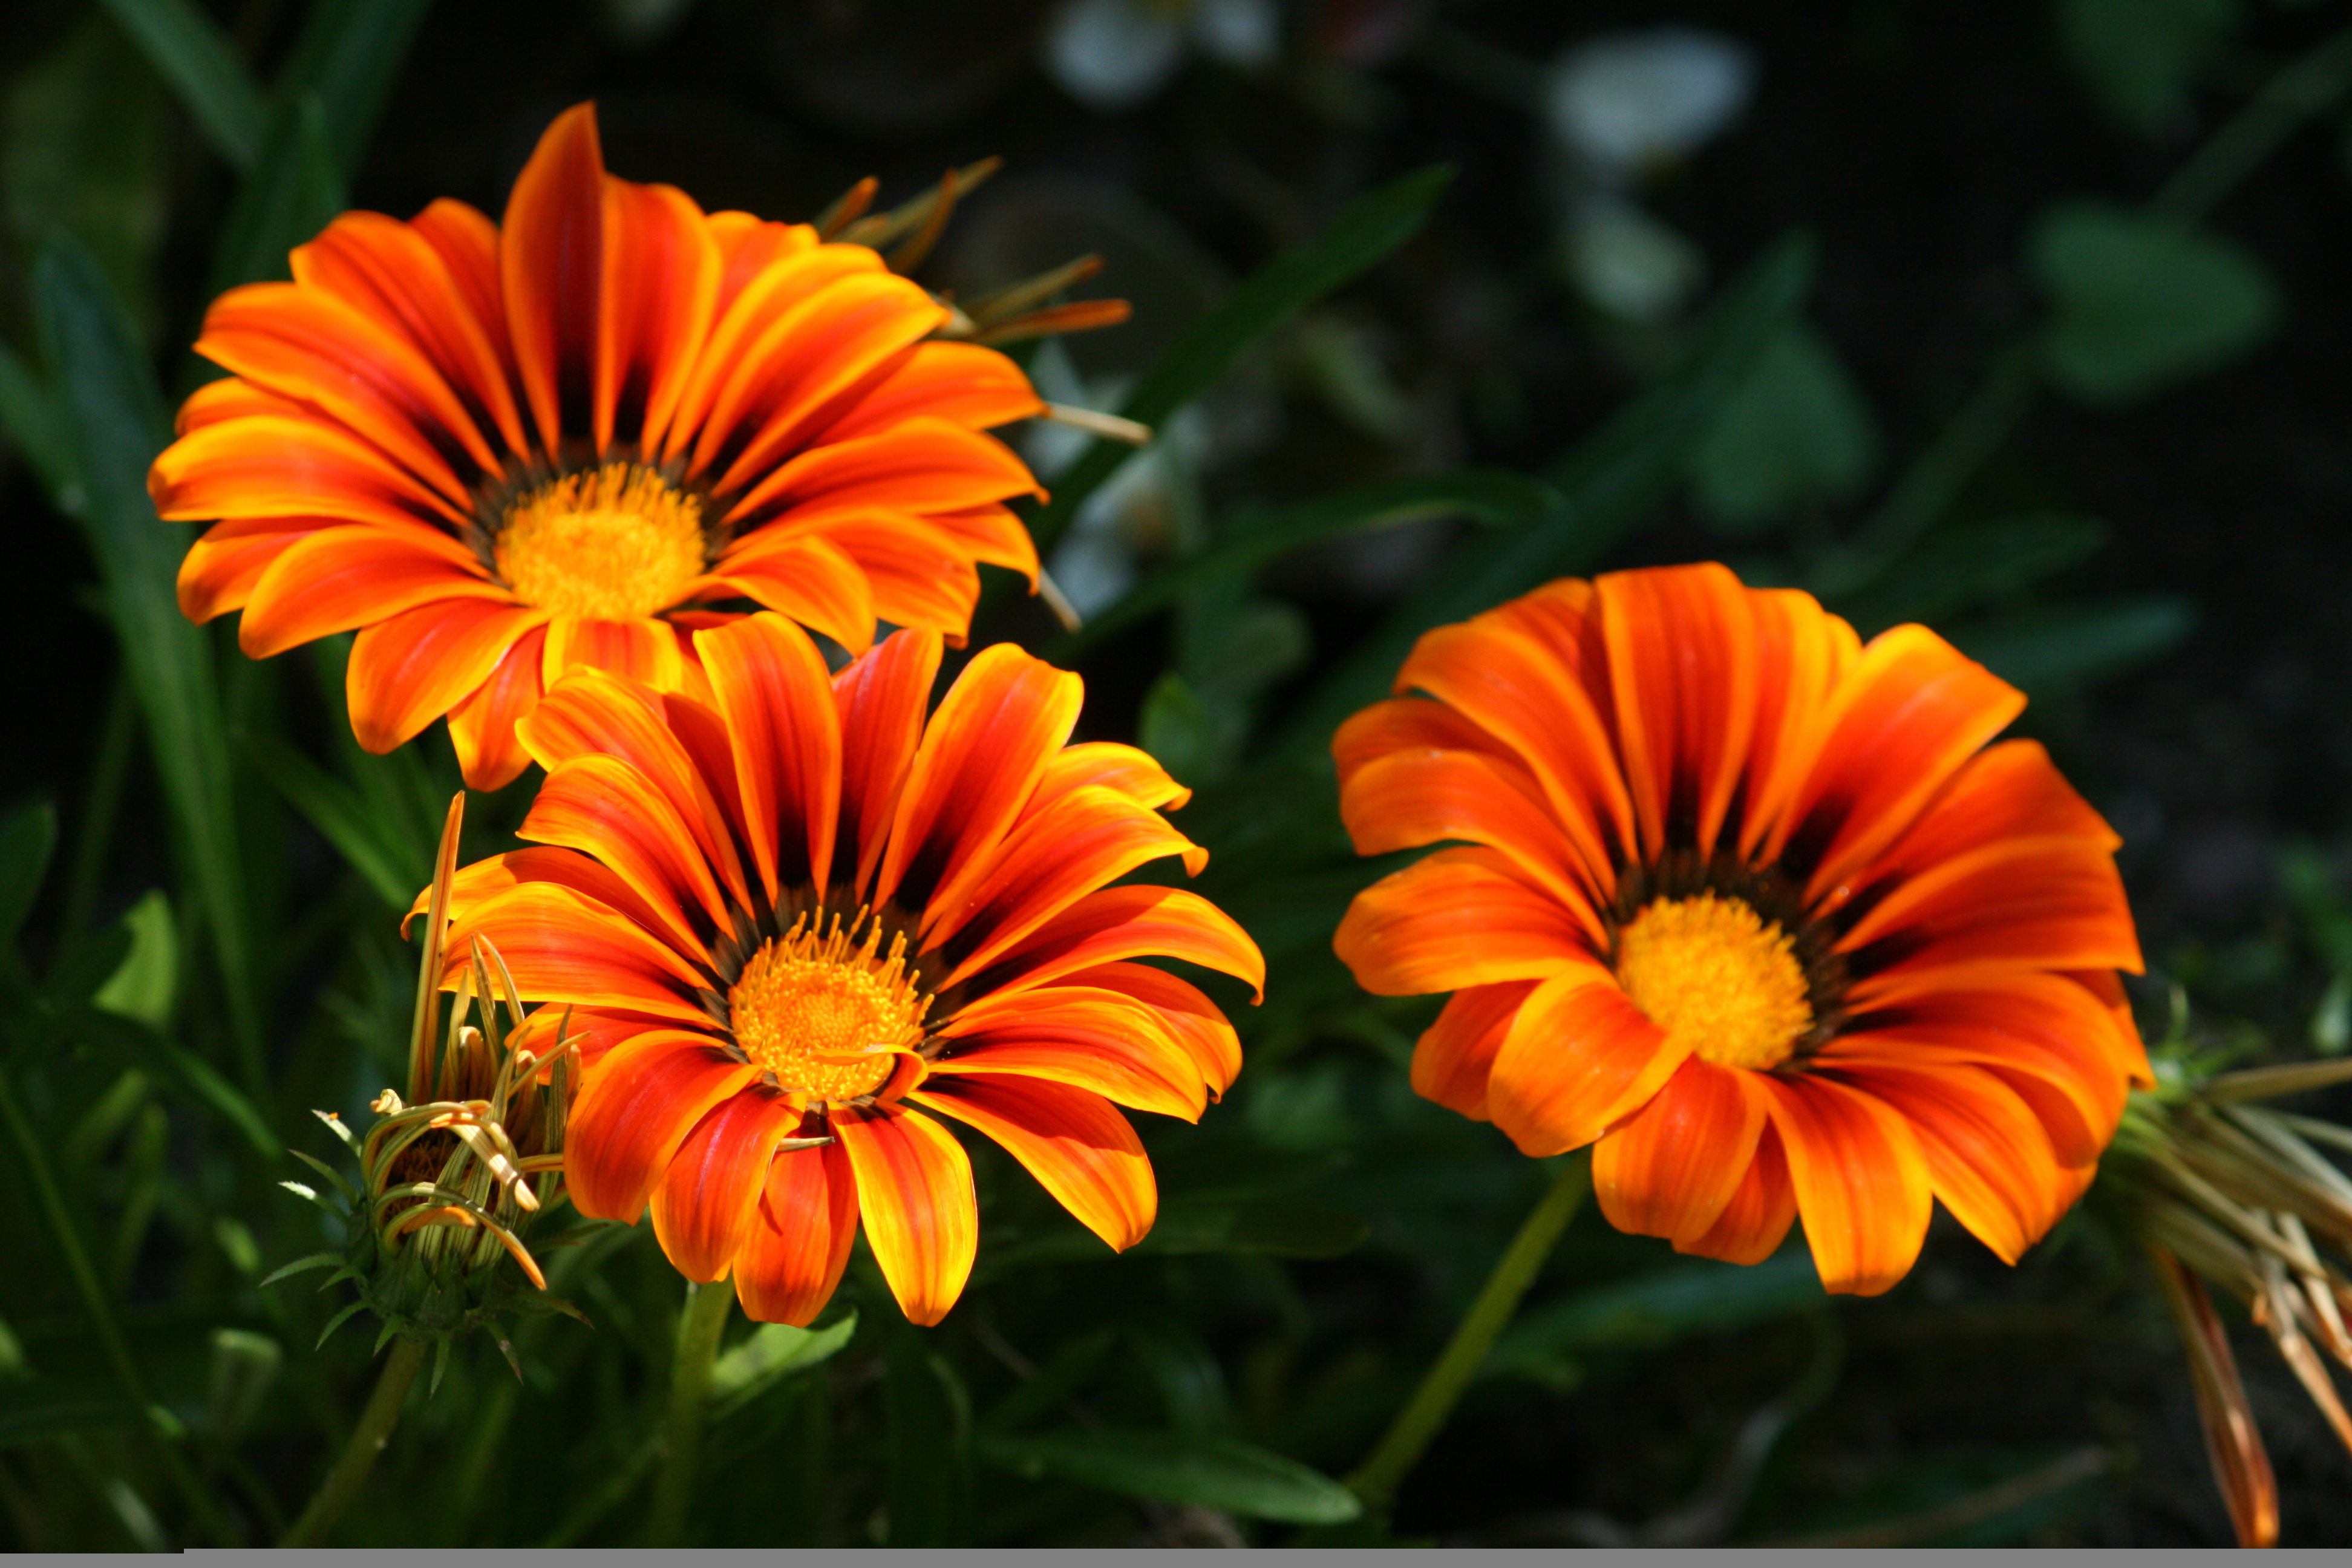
point(350, 53)
point(392, 868)
point(189, 50)
point(290, 195)
point(116, 423)
point(1364, 231)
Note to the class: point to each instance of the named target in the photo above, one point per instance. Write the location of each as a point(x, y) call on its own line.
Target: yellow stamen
point(827, 1014)
point(613, 545)
point(1718, 977)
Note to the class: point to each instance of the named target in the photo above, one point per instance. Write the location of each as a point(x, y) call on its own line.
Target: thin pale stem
point(699, 1329)
point(358, 1461)
point(1425, 1415)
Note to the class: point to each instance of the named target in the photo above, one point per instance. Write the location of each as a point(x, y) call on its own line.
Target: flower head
point(793, 926)
point(1754, 908)
point(499, 451)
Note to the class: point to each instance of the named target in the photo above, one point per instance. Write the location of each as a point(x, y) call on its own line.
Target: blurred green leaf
point(1270, 1227)
point(244, 1366)
point(189, 50)
point(27, 838)
point(1657, 1310)
point(1963, 566)
point(929, 1488)
point(773, 1352)
point(2139, 57)
point(135, 1044)
point(143, 986)
point(1174, 728)
point(394, 865)
point(36, 1411)
point(1796, 431)
point(1362, 232)
point(350, 54)
point(1489, 495)
point(2141, 302)
point(117, 424)
point(1611, 479)
point(29, 414)
point(2042, 649)
point(292, 193)
point(1203, 1471)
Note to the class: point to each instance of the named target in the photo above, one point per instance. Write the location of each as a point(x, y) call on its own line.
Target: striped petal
point(776, 697)
point(704, 1204)
point(1079, 1148)
point(914, 1198)
point(635, 1109)
point(1460, 917)
point(1672, 1168)
point(1453, 1060)
point(1578, 1058)
point(794, 1252)
point(1862, 1184)
point(408, 671)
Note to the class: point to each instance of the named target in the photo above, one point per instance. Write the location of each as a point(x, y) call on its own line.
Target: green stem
point(368, 1438)
point(1442, 1387)
point(2307, 88)
point(101, 1317)
point(699, 1328)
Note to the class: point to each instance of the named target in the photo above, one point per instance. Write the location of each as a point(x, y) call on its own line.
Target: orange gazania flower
point(498, 452)
point(789, 928)
point(1755, 907)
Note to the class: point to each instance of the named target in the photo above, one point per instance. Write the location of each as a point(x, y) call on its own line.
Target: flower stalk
point(700, 1327)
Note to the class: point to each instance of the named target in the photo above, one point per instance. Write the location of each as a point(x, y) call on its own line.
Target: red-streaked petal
point(914, 1193)
point(1861, 1182)
point(345, 578)
point(482, 727)
point(1578, 1056)
point(747, 350)
point(289, 465)
point(804, 575)
point(1133, 772)
point(922, 577)
point(992, 534)
point(2055, 904)
point(776, 695)
point(2012, 790)
point(411, 670)
point(551, 252)
point(634, 1110)
point(563, 947)
point(230, 397)
point(704, 1203)
point(1080, 1149)
point(590, 1033)
point(468, 244)
point(1418, 723)
point(881, 698)
point(794, 1253)
point(920, 466)
point(974, 386)
point(1134, 921)
point(565, 868)
point(604, 808)
point(980, 758)
point(1194, 1021)
point(1682, 669)
point(748, 245)
point(645, 650)
point(1756, 1219)
point(1671, 1168)
point(1460, 917)
point(658, 294)
point(1988, 1157)
point(1801, 652)
point(1101, 1041)
point(220, 569)
point(1455, 1058)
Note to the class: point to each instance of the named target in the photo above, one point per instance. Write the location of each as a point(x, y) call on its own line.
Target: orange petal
point(748, 246)
point(485, 878)
point(1754, 1223)
point(219, 570)
point(1862, 1184)
point(794, 1254)
point(1900, 723)
point(1133, 922)
point(2011, 790)
point(288, 465)
point(2055, 903)
point(1989, 1159)
point(343, 578)
point(1131, 770)
point(1415, 723)
point(980, 756)
point(704, 1203)
point(1454, 1058)
point(1801, 653)
point(991, 534)
point(1409, 799)
point(645, 649)
point(1578, 1056)
point(230, 397)
point(604, 808)
point(482, 727)
point(1671, 1169)
point(747, 353)
point(881, 697)
point(1099, 1040)
point(564, 947)
point(1193, 1020)
point(590, 1033)
point(1682, 670)
point(921, 576)
point(1457, 918)
point(635, 1109)
point(974, 386)
point(914, 1193)
point(466, 241)
point(409, 670)
point(803, 575)
point(776, 696)
point(653, 308)
point(1079, 1148)
point(551, 248)
point(923, 465)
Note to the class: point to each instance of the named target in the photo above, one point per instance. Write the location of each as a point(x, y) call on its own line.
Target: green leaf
point(1798, 431)
point(29, 414)
point(144, 984)
point(189, 50)
point(293, 192)
point(395, 867)
point(27, 838)
point(35, 1411)
point(350, 54)
point(773, 1352)
point(2141, 303)
point(1963, 566)
point(1222, 1473)
point(2066, 645)
point(1175, 727)
point(116, 423)
point(135, 1043)
point(1656, 1310)
point(1364, 231)
point(928, 1485)
point(1611, 479)
point(2139, 57)
point(1490, 495)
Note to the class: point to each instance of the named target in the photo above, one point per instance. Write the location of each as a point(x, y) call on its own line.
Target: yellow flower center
point(827, 1014)
point(1718, 977)
point(612, 545)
